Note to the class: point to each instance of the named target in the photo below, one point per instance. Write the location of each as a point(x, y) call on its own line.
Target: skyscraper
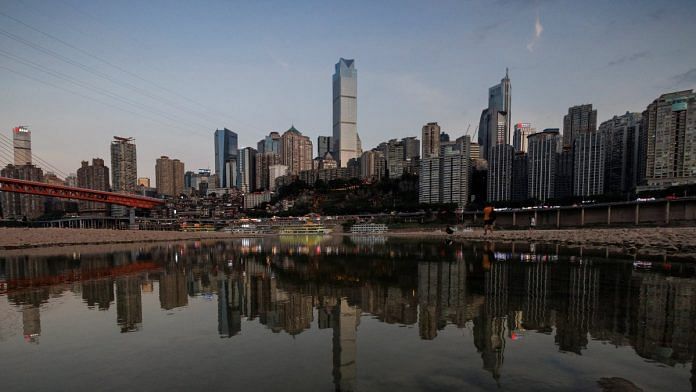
point(263, 162)
point(454, 176)
point(94, 176)
point(519, 138)
point(495, 122)
point(588, 163)
point(623, 149)
point(499, 185)
point(19, 206)
point(431, 140)
point(324, 145)
point(563, 187)
point(394, 153)
point(429, 181)
point(411, 147)
point(520, 182)
point(21, 142)
point(296, 151)
point(670, 139)
point(226, 157)
point(541, 163)
point(345, 112)
point(247, 169)
point(124, 165)
point(169, 176)
point(580, 118)
point(270, 143)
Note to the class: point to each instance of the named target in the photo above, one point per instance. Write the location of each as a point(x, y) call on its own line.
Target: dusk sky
point(169, 73)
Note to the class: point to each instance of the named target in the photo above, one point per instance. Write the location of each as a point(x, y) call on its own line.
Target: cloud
point(538, 29)
point(688, 77)
point(280, 62)
point(629, 58)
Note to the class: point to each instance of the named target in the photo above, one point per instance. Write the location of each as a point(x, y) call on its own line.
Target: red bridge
point(67, 192)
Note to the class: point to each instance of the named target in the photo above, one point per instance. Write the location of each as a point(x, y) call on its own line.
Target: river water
point(335, 313)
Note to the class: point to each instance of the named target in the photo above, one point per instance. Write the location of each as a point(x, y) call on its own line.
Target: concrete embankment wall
point(679, 212)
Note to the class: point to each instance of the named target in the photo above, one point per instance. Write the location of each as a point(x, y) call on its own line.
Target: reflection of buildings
point(346, 319)
point(31, 321)
point(172, 290)
point(229, 307)
point(442, 296)
point(129, 308)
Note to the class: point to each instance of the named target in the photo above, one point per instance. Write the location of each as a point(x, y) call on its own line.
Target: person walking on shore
point(488, 219)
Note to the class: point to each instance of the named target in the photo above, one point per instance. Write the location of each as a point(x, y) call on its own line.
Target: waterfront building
point(370, 165)
point(270, 143)
point(431, 140)
point(542, 158)
point(563, 187)
point(144, 181)
point(247, 169)
point(669, 127)
point(275, 172)
point(454, 177)
point(21, 143)
point(411, 147)
point(263, 162)
point(429, 181)
point(226, 152)
point(18, 206)
point(252, 200)
point(520, 182)
point(495, 121)
point(394, 154)
point(324, 145)
point(124, 165)
point(296, 151)
point(519, 138)
point(580, 118)
point(94, 176)
point(345, 112)
point(500, 172)
point(588, 163)
point(200, 182)
point(169, 176)
point(624, 157)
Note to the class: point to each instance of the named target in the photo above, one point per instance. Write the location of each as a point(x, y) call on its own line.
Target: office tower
point(394, 153)
point(358, 143)
point(542, 158)
point(225, 157)
point(275, 172)
point(18, 206)
point(519, 139)
point(94, 176)
point(669, 125)
point(431, 140)
point(263, 162)
point(580, 118)
point(144, 182)
point(169, 176)
point(411, 147)
point(21, 143)
point(588, 164)
point(444, 137)
point(623, 153)
point(494, 124)
point(270, 143)
point(296, 151)
point(370, 165)
point(500, 158)
point(324, 145)
point(564, 174)
point(124, 165)
point(200, 182)
point(429, 180)
point(345, 111)
point(520, 185)
point(247, 169)
point(454, 177)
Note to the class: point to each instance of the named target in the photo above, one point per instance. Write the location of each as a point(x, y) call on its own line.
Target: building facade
point(296, 151)
point(21, 143)
point(624, 157)
point(520, 182)
point(563, 188)
point(18, 206)
point(275, 172)
point(345, 112)
point(324, 145)
point(124, 165)
point(169, 176)
point(263, 162)
point(270, 143)
point(495, 122)
point(431, 140)
point(580, 118)
point(588, 163)
point(519, 138)
point(226, 154)
point(429, 181)
point(247, 170)
point(499, 185)
point(542, 158)
point(94, 176)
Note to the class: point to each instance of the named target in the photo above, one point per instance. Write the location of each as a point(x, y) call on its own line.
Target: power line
point(6, 143)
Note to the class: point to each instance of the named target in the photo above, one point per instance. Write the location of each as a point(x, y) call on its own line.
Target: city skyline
point(540, 49)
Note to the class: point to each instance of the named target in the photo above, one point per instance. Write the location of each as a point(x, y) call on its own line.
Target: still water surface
point(340, 314)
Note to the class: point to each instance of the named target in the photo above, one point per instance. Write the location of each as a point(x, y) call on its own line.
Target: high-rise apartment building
point(431, 140)
point(371, 163)
point(580, 118)
point(94, 176)
point(19, 206)
point(296, 151)
point(345, 112)
point(519, 138)
point(588, 163)
point(520, 181)
point(226, 154)
point(542, 155)
point(124, 165)
point(270, 143)
point(169, 176)
point(563, 188)
point(454, 177)
point(411, 147)
point(324, 145)
point(669, 125)
point(21, 143)
point(144, 182)
point(394, 153)
point(263, 162)
point(275, 172)
point(499, 184)
point(429, 180)
point(247, 169)
point(495, 122)
point(624, 153)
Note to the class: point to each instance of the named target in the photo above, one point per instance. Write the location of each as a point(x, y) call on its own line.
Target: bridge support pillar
point(131, 219)
point(667, 213)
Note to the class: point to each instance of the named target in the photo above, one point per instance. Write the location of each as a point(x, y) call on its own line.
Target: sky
point(169, 73)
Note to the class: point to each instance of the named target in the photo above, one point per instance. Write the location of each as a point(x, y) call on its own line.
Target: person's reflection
point(488, 255)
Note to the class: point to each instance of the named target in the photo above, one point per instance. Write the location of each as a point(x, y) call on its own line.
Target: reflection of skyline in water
point(501, 296)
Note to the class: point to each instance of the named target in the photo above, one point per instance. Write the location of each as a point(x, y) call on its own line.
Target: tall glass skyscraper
point(495, 122)
point(225, 151)
point(345, 112)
